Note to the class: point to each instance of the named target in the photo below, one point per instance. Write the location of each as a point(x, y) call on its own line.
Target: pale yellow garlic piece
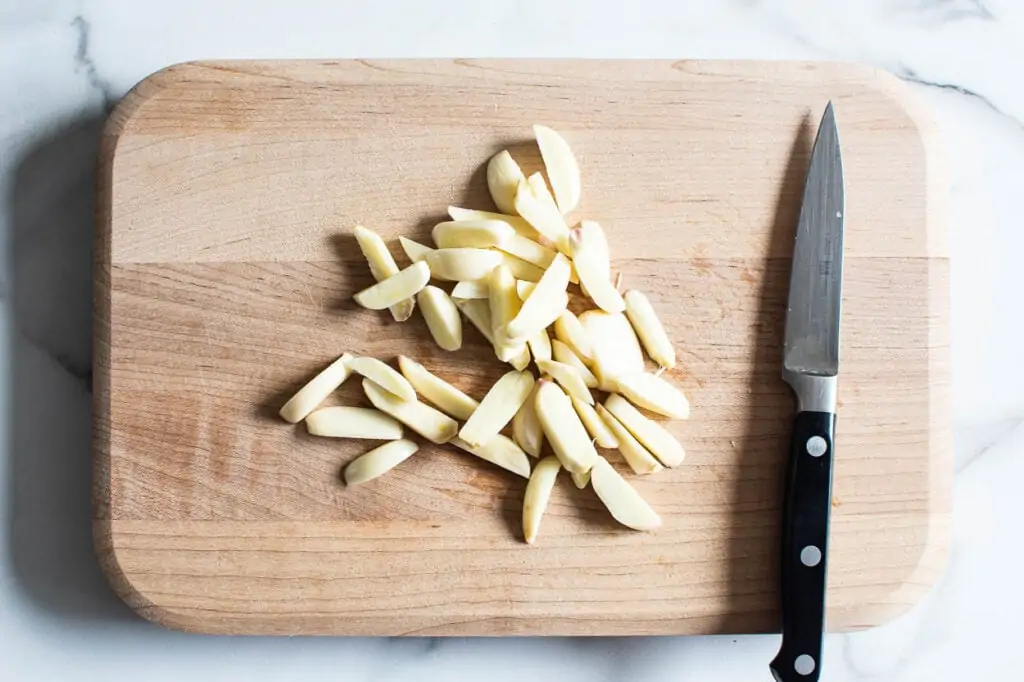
point(309, 397)
point(639, 458)
point(478, 312)
point(499, 450)
point(414, 250)
point(477, 234)
point(520, 269)
point(621, 499)
point(379, 461)
point(460, 265)
point(570, 332)
point(526, 427)
point(528, 250)
point(649, 328)
point(388, 292)
point(581, 481)
point(595, 426)
point(382, 266)
point(497, 408)
point(524, 288)
point(442, 317)
point(538, 494)
point(443, 395)
point(470, 290)
point(653, 393)
point(353, 422)
point(515, 222)
point(421, 418)
point(544, 304)
point(560, 163)
point(540, 346)
point(384, 376)
point(562, 353)
point(568, 378)
point(503, 178)
point(541, 212)
point(615, 346)
point(591, 267)
point(563, 428)
point(650, 433)
point(505, 305)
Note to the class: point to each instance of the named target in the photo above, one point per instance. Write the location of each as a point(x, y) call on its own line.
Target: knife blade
point(810, 365)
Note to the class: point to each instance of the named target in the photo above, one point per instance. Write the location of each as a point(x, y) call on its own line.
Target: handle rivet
point(816, 446)
point(803, 665)
point(810, 556)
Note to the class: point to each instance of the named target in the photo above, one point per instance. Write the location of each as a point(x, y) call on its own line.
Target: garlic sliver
point(353, 422)
point(560, 163)
point(538, 493)
point(563, 428)
point(379, 461)
point(580, 480)
point(520, 269)
point(470, 290)
point(504, 302)
point(503, 177)
point(540, 346)
point(568, 378)
point(515, 222)
point(521, 360)
point(621, 499)
point(500, 450)
point(414, 250)
point(569, 330)
point(590, 269)
point(309, 397)
point(421, 418)
point(653, 393)
point(497, 408)
point(442, 317)
point(382, 266)
point(595, 426)
point(598, 241)
point(460, 265)
point(545, 303)
point(526, 428)
point(478, 312)
point(562, 353)
point(477, 234)
point(615, 346)
point(524, 289)
point(650, 433)
point(639, 458)
point(648, 327)
point(443, 395)
point(384, 376)
point(388, 292)
point(528, 250)
point(545, 218)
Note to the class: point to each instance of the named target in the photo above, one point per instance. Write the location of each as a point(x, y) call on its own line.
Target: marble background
point(64, 62)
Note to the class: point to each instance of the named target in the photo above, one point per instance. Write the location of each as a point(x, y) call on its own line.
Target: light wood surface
point(225, 271)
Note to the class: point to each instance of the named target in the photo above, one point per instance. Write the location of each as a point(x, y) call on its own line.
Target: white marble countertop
point(63, 62)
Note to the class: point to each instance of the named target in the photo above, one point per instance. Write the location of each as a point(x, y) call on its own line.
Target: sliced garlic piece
point(443, 395)
point(595, 426)
point(477, 234)
point(598, 241)
point(460, 265)
point(538, 493)
point(528, 250)
point(615, 346)
point(382, 266)
point(384, 376)
point(545, 303)
point(650, 433)
point(560, 163)
point(497, 408)
point(653, 393)
point(524, 289)
point(568, 378)
point(309, 397)
point(520, 269)
point(421, 418)
point(580, 480)
point(526, 428)
point(639, 458)
point(353, 422)
point(590, 267)
point(540, 346)
point(515, 222)
point(505, 305)
point(562, 353)
point(388, 292)
point(442, 317)
point(541, 212)
point(503, 177)
point(379, 461)
point(648, 327)
point(570, 332)
point(563, 428)
point(500, 450)
point(521, 360)
point(414, 250)
point(469, 290)
point(621, 499)
point(478, 312)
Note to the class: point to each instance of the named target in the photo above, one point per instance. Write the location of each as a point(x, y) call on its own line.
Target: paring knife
point(810, 365)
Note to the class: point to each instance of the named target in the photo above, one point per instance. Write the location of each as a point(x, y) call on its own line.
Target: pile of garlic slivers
point(512, 272)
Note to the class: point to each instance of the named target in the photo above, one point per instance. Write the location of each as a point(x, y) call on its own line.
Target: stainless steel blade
point(811, 347)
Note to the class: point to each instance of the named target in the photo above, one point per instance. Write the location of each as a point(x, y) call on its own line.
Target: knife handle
point(805, 520)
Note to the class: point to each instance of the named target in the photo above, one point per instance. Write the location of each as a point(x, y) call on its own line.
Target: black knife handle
point(805, 519)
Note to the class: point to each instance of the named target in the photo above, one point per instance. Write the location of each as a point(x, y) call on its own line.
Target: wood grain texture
point(225, 270)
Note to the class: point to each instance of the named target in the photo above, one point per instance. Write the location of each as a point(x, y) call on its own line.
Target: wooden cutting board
point(225, 274)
